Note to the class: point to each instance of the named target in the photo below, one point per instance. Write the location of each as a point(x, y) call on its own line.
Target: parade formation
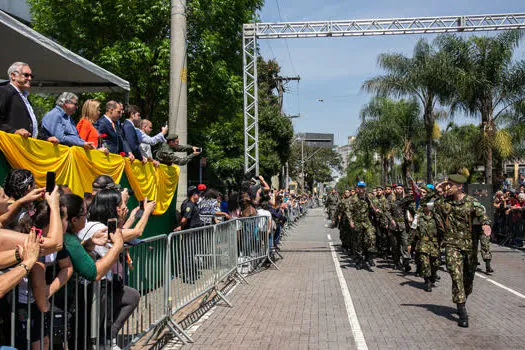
point(425, 224)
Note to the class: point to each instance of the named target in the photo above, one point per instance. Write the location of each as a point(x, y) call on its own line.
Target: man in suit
point(130, 132)
point(16, 113)
point(109, 125)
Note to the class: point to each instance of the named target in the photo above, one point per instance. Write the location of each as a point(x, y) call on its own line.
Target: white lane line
point(359, 338)
point(501, 286)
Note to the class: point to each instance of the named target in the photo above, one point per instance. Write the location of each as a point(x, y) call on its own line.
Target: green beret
point(425, 187)
point(172, 136)
point(457, 178)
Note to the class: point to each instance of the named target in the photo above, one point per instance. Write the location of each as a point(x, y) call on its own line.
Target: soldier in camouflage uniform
point(427, 245)
point(360, 210)
point(342, 219)
point(166, 152)
point(331, 205)
point(398, 229)
point(383, 218)
point(455, 214)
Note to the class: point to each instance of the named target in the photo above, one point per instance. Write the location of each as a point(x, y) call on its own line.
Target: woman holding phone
point(83, 263)
point(108, 207)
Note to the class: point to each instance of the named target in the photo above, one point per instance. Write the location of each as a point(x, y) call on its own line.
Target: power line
point(285, 40)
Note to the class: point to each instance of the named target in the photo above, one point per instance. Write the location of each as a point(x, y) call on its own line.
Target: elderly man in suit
point(109, 125)
point(16, 113)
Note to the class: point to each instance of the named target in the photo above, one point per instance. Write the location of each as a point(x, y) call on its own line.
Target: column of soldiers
point(388, 223)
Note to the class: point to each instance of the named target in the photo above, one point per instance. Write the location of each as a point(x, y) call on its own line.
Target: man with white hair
point(58, 122)
point(16, 113)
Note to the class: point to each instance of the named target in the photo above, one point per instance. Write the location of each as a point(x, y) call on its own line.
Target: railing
point(141, 294)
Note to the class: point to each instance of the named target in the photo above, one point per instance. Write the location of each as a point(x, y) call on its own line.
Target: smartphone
point(166, 124)
point(112, 227)
point(198, 150)
point(50, 181)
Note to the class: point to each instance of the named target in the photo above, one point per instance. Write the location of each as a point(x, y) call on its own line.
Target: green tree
point(132, 39)
point(455, 148)
point(487, 82)
point(362, 166)
point(424, 76)
point(319, 164)
point(389, 126)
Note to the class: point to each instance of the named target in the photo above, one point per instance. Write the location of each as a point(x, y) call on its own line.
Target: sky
point(333, 69)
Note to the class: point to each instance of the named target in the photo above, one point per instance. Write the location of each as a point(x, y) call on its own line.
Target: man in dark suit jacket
point(130, 132)
point(16, 114)
point(109, 124)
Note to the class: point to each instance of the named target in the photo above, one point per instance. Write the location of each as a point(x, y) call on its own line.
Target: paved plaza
point(312, 304)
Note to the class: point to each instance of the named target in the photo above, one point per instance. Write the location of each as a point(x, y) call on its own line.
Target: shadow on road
point(440, 310)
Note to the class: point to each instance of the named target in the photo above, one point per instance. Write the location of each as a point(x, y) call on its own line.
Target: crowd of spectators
point(206, 206)
point(112, 132)
point(46, 238)
point(509, 215)
point(56, 241)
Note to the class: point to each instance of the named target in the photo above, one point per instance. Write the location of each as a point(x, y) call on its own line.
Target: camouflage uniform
point(364, 229)
point(398, 234)
point(167, 155)
point(427, 244)
point(331, 204)
point(455, 220)
point(383, 219)
point(344, 223)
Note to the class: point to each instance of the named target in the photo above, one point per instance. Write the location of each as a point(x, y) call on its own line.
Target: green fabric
point(82, 262)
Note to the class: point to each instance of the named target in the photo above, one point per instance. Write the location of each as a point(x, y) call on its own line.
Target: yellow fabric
point(77, 168)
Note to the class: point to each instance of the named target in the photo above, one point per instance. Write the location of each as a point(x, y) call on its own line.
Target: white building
point(345, 150)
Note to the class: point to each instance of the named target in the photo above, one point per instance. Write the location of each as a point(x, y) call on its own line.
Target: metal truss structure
point(394, 26)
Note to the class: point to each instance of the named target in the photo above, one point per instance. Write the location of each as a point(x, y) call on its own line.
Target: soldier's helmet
point(361, 184)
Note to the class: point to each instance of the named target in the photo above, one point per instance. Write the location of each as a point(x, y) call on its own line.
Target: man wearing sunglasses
point(16, 114)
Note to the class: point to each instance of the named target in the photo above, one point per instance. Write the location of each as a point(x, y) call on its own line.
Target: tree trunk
point(428, 118)
point(488, 167)
point(384, 178)
point(488, 131)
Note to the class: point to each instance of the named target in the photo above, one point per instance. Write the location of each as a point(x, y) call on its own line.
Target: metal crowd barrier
point(167, 272)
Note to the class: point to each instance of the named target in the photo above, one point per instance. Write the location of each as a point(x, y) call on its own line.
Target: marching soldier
point(427, 246)
point(331, 205)
point(360, 209)
point(455, 214)
point(398, 229)
point(342, 218)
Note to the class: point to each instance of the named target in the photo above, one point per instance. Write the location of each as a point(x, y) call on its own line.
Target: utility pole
point(178, 112)
point(280, 93)
point(280, 88)
point(302, 165)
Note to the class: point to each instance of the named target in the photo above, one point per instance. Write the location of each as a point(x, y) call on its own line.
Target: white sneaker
point(114, 345)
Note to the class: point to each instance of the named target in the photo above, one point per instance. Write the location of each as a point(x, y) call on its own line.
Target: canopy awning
point(56, 69)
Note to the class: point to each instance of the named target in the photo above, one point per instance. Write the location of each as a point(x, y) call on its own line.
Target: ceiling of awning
point(56, 69)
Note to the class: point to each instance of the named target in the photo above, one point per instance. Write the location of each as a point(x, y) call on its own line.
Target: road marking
point(501, 286)
point(359, 338)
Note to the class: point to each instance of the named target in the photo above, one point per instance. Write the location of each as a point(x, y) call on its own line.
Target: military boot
point(463, 316)
point(406, 266)
point(358, 263)
point(428, 285)
point(488, 268)
point(433, 280)
point(370, 259)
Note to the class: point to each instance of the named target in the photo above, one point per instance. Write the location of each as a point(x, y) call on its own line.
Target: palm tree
point(487, 82)
point(387, 126)
point(424, 77)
